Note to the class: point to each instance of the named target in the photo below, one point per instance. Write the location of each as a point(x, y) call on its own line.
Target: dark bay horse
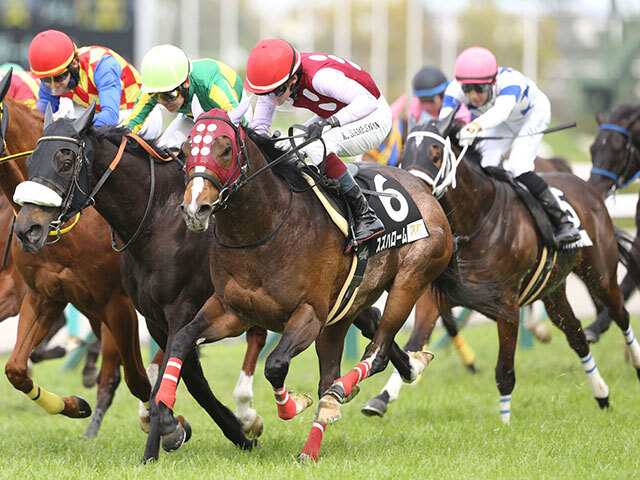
point(278, 262)
point(501, 236)
point(615, 154)
point(80, 269)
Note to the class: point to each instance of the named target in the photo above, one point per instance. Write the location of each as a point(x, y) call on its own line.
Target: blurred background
point(585, 55)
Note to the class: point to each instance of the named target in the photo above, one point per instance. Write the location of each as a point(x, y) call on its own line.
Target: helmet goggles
point(476, 87)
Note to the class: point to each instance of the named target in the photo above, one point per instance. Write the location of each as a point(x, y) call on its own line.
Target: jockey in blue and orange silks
point(349, 110)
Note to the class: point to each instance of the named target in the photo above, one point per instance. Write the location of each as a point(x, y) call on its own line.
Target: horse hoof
point(187, 427)
point(603, 402)
point(590, 335)
point(173, 441)
point(374, 408)
point(304, 458)
point(419, 361)
point(542, 332)
point(145, 460)
point(145, 424)
point(255, 429)
point(329, 410)
point(352, 394)
point(90, 377)
point(301, 400)
point(76, 407)
point(472, 368)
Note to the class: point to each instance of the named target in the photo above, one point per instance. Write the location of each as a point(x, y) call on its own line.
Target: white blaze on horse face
point(243, 396)
point(197, 185)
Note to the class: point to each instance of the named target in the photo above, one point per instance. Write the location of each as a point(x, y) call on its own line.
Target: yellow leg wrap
point(464, 350)
point(50, 402)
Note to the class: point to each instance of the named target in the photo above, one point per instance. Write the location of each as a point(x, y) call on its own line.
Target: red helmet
point(271, 62)
point(50, 53)
point(476, 65)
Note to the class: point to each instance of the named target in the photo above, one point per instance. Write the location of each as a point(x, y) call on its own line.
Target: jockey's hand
point(316, 129)
point(468, 134)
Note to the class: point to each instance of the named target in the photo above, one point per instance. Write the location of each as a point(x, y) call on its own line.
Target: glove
point(316, 129)
point(468, 134)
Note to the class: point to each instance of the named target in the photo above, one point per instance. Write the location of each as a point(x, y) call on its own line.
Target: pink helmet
point(476, 65)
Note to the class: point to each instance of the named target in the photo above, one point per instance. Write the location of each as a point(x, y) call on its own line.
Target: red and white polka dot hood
point(208, 127)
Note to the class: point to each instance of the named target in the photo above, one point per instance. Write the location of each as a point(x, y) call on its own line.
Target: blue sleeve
point(107, 79)
point(45, 97)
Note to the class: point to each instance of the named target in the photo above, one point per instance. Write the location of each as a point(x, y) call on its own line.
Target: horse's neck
point(25, 127)
point(258, 208)
point(469, 202)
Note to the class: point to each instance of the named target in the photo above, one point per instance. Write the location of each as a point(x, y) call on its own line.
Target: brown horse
point(278, 262)
point(81, 269)
point(615, 154)
point(500, 231)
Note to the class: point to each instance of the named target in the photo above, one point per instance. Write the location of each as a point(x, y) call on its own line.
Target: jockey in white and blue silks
point(503, 102)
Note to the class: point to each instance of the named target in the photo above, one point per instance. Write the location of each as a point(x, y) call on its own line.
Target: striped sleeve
point(143, 106)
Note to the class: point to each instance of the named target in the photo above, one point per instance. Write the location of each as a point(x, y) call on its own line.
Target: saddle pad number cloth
point(394, 207)
point(584, 241)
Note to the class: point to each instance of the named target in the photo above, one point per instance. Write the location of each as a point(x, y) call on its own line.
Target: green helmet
point(164, 68)
point(6, 66)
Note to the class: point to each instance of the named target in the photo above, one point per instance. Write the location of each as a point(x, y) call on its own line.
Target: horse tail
point(625, 242)
point(453, 287)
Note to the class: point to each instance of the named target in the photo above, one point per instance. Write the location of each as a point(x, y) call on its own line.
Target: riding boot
point(565, 230)
point(366, 223)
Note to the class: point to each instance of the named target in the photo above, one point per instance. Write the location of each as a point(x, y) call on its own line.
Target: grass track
point(446, 426)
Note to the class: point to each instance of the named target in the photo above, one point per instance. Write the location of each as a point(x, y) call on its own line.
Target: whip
point(548, 130)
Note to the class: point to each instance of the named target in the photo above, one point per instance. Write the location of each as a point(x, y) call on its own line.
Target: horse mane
point(623, 111)
point(114, 134)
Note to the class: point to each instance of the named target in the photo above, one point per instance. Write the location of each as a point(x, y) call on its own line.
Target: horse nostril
point(204, 211)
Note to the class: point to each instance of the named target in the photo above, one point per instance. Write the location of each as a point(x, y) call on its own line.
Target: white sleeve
point(196, 108)
point(498, 113)
point(263, 114)
point(453, 96)
point(243, 109)
point(334, 84)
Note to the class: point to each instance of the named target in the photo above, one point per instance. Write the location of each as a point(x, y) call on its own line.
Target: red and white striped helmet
point(271, 63)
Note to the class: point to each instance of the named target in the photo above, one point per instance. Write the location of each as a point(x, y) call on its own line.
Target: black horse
point(615, 154)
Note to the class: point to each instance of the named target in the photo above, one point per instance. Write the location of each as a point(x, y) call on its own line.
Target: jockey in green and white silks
point(187, 88)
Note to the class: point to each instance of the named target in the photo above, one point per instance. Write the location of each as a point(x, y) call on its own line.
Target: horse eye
point(227, 151)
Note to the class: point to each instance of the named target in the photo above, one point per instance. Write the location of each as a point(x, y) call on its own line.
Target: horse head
point(614, 151)
point(59, 179)
point(216, 164)
point(429, 154)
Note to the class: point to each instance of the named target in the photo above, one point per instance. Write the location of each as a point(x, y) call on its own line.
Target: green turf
point(446, 426)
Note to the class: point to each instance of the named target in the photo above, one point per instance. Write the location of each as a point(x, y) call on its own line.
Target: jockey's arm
point(107, 80)
point(498, 113)
point(263, 113)
point(45, 97)
point(334, 84)
point(453, 97)
point(141, 110)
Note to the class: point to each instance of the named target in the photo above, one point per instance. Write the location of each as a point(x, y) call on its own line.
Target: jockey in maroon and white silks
point(348, 106)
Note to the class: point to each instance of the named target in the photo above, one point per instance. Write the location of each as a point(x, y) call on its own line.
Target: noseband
point(619, 182)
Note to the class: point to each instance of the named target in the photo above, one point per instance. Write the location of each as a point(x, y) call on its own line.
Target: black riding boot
point(367, 224)
point(565, 230)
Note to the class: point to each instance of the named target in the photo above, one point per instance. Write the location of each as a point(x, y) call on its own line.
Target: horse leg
point(252, 423)
point(466, 353)
point(210, 324)
point(152, 373)
point(505, 373)
point(90, 371)
point(37, 315)
point(302, 328)
point(426, 315)
point(562, 316)
point(41, 352)
point(109, 379)
point(603, 320)
point(329, 347)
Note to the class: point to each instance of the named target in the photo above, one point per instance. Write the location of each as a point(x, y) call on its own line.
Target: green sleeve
point(143, 106)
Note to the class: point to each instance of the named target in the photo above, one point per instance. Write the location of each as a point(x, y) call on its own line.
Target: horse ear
point(5, 83)
point(444, 124)
point(85, 119)
point(48, 116)
point(599, 118)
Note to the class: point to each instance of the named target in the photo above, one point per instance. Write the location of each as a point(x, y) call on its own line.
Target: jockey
point(429, 84)
point(84, 75)
point(188, 88)
point(347, 104)
point(24, 85)
point(503, 102)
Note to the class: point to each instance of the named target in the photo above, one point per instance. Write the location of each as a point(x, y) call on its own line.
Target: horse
point(278, 261)
point(500, 235)
point(615, 154)
point(80, 269)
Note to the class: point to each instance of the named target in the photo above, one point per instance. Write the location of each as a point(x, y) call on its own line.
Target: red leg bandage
point(167, 392)
point(286, 405)
point(356, 375)
point(312, 447)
